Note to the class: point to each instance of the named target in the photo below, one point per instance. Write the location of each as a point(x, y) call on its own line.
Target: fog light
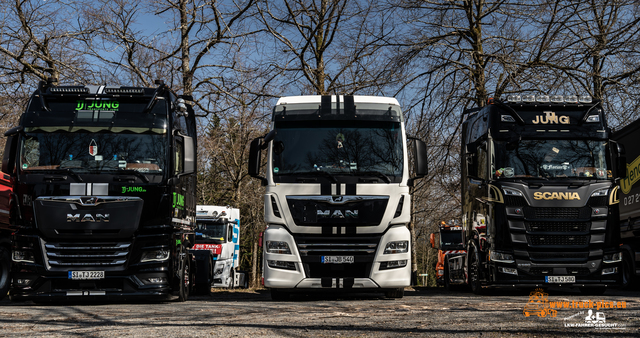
point(156, 280)
point(282, 265)
point(155, 256)
point(608, 271)
point(510, 271)
point(22, 281)
point(612, 258)
point(22, 256)
point(393, 264)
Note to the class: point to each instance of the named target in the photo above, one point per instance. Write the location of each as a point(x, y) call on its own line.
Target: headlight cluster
point(612, 258)
point(278, 247)
point(501, 257)
point(155, 256)
point(396, 247)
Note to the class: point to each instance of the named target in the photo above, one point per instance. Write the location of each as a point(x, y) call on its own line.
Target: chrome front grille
point(60, 255)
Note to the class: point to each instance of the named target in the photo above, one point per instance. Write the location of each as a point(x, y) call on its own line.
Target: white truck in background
point(217, 248)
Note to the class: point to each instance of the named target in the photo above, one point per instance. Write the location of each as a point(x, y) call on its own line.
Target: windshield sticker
point(339, 139)
point(93, 148)
point(98, 105)
point(275, 170)
point(25, 166)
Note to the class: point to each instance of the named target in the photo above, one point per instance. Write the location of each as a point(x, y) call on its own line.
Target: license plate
point(86, 275)
point(560, 279)
point(337, 259)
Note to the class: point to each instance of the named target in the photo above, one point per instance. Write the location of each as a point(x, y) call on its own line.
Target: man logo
point(88, 218)
point(337, 214)
point(556, 196)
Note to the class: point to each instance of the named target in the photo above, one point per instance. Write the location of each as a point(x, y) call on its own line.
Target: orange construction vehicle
point(450, 243)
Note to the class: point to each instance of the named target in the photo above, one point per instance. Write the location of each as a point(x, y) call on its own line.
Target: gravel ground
point(432, 312)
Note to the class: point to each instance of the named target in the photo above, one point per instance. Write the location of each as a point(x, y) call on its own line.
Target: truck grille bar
point(60, 255)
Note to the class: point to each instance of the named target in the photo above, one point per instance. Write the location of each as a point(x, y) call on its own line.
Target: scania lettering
point(337, 201)
point(539, 195)
point(104, 185)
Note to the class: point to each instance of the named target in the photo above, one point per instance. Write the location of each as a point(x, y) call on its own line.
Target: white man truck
point(337, 201)
point(217, 248)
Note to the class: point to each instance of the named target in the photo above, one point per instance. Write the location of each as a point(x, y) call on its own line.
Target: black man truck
point(337, 201)
point(217, 248)
point(539, 196)
point(105, 184)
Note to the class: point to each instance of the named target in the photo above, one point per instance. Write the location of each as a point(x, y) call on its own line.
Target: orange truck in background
point(450, 243)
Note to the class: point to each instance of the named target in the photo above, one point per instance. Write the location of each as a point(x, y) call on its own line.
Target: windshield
point(211, 231)
point(339, 147)
point(551, 159)
point(103, 151)
point(451, 238)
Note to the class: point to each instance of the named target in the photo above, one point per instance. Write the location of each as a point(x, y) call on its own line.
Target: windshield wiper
point(70, 172)
point(378, 174)
point(134, 172)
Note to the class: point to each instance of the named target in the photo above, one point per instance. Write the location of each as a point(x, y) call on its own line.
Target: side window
point(230, 233)
point(482, 162)
point(179, 156)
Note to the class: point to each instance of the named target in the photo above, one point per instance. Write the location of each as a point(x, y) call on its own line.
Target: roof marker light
point(571, 99)
point(556, 98)
point(528, 98)
point(514, 98)
point(542, 98)
point(584, 99)
point(507, 118)
point(593, 118)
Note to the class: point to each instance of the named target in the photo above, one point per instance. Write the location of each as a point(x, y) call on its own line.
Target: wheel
point(204, 268)
point(447, 282)
point(628, 272)
point(232, 278)
point(5, 269)
point(593, 291)
point(279, 295)
point(395, 293)
point(185, 284)
point(474, 272)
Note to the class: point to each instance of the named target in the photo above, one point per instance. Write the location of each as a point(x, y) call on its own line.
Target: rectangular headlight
point(396, 247)
point(612, 258)
point(23, 256)
point(278, 247)
point(155, 255)
point(501, 257)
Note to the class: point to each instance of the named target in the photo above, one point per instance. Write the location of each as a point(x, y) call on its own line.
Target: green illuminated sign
point(133, 189)
point(98, 105)
point(178, 200)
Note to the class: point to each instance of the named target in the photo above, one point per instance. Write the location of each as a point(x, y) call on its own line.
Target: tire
point(395, 293)
point(593, 291)
point(474, 273)
point(5, 272)
point(232, 279)
point(185, 280)
point(447, 282)
point(628, 273)
point(204, 288)
point(279, 295)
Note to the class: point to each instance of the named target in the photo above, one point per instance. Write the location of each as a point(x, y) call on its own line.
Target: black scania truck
point(104, 183)
point(539, 196)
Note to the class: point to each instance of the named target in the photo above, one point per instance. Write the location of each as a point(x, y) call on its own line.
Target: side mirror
point(255, 156)
point(189, 155)
point(420, 160)
point(432, 239)
point(621, 160)
point(9, 157)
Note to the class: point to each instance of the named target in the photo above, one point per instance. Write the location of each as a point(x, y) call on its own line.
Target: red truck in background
point(6, 190)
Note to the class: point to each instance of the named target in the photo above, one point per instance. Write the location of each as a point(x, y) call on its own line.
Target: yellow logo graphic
point(633, 175)
point(539, 305)
point(556, 196)
point(551, 118)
